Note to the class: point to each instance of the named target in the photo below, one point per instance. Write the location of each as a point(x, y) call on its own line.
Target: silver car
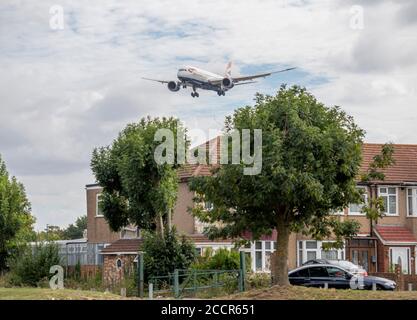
point(349, 266)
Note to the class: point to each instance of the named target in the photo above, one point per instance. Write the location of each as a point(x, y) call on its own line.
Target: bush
point(163, 255)
point(31, 265)
point(223, 259)
point(258, 280)
point(86, 282)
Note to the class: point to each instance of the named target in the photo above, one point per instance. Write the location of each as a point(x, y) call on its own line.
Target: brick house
point(392, 240)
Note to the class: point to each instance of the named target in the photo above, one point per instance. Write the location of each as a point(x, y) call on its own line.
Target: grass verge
point(302, 293)
point(49, 294)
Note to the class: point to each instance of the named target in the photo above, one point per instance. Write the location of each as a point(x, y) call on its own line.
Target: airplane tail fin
point(228, 71)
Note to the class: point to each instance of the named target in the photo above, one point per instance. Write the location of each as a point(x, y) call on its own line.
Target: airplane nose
point(180, 73)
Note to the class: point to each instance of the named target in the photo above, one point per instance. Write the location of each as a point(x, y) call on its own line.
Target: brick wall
point(402, 280)
point(98, 230)
point(112, 275)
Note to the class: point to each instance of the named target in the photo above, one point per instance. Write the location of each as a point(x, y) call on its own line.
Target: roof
point(248, 236)
point(193, 170)
point(404, 170)
point(405, 167)
point(394, 234)
point(201, 238)
point(132, 246)
point(123, 246)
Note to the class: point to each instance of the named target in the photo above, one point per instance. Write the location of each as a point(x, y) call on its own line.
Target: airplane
point(198, 78)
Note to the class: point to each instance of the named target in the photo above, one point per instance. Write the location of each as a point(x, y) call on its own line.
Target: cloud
point(64, 92)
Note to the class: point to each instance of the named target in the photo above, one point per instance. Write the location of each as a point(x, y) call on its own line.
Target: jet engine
point(227, 83)
point(174, 86)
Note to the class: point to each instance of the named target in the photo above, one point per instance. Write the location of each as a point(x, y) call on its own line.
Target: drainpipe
point(376, 255)
point(372, 188)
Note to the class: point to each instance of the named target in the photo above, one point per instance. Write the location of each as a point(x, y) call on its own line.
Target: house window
point(329, 254)
point(198, 251)
point(260, 253)
point(311, 250)
point(412, 202)
point(118, 263)
point(337, 212)
point(356, 208)
point(389, 196)
point(99, 213)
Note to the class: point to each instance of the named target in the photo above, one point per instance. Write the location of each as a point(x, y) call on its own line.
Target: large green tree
point(136, 188)
point(76, 230)
point(73, 231)
point(311, 155)
point(16, 221)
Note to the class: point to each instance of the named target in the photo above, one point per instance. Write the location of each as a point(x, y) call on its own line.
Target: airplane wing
point(248, 82)
point(160, 81)
point(261, 75)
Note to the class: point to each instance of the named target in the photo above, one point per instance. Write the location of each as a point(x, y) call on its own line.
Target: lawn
point(273, 293)
point(302, 293)
point(49, 294)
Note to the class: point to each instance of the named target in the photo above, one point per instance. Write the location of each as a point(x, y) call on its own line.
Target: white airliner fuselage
point(198, 78)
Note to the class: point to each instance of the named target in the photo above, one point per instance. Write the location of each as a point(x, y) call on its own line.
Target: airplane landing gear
point(221, 93)
point(194, 94)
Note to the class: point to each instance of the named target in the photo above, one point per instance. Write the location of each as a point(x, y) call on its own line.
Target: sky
point(69, 85)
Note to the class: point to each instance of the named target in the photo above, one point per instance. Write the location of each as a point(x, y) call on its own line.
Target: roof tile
point(395, 234)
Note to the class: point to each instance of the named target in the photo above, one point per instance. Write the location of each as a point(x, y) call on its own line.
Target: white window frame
point(252, 250)
point(392, 263)
point(337, 213)
point(340, 252)
point(365, 194)
point(387, 194)
point(97, 200)
point(413, 197)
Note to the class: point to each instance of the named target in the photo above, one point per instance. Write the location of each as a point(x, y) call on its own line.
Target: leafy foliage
point(51, 233)
point(164, 254)
point(16, 221)
point(311, 155)
point(222, 259)
point(379, 162)
point(375, 208)
point(73, 231)
point(136, 189)
point(76, 230)
point(32, 264)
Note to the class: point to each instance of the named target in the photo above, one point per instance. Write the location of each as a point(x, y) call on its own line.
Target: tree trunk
point(169, 219)
point(160, 225)
point(280, 270)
